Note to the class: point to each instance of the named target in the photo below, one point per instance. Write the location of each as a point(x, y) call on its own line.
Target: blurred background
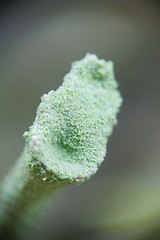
point(38, 42)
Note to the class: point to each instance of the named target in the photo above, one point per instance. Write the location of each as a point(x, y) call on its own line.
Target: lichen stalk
point(22, 197)
point(67, 141)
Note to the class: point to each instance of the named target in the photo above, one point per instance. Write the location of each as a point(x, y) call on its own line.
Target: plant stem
point(22, 199)
point(66, 143)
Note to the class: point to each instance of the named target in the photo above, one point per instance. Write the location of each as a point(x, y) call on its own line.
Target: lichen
point(67, 141)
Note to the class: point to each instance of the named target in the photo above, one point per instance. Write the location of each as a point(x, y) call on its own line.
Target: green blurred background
point(38, 41)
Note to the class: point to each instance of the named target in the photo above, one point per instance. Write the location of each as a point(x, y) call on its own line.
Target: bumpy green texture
point(67, 141)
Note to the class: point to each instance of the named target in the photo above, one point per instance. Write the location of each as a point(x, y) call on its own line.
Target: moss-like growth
point(67, 141)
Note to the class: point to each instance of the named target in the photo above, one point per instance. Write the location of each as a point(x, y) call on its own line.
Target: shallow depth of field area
point(38, 41)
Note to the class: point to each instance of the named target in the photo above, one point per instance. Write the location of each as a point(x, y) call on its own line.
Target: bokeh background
point(38, 41)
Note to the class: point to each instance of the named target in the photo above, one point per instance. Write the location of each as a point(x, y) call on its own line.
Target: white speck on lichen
point(43, 97)
point(35, 141)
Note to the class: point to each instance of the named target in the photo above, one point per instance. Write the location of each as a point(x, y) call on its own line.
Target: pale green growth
point(67, 141)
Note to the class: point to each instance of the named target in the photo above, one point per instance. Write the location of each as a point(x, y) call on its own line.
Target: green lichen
point(67, 141)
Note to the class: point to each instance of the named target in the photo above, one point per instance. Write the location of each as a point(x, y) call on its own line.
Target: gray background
point(38, 42)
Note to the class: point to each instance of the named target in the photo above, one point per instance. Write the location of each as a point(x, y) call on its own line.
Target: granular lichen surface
point(67, 141)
